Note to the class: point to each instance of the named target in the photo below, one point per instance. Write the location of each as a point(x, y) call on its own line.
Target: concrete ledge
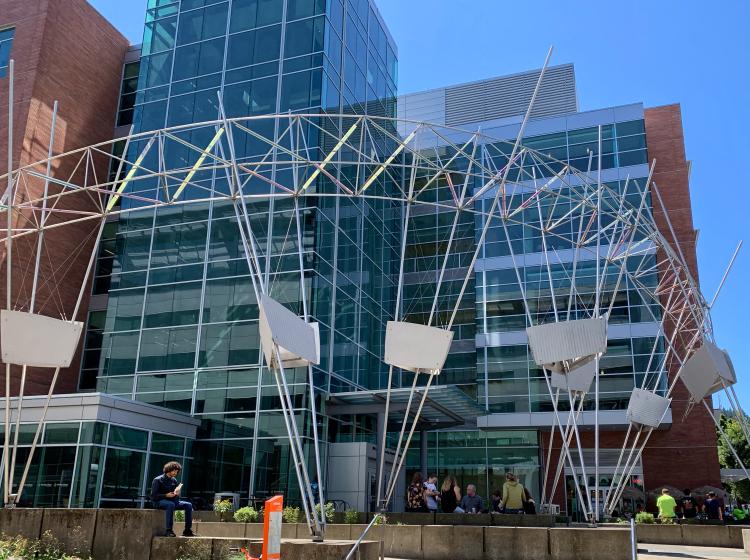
point(72, 528)
point(401, 541)
point(658, 534)
point(446, 542)
point(480, 519)
point(735, 535)
point(705, 535)
point(510, 543)
point(23, 522)
point(125, 534)
point(589, 544)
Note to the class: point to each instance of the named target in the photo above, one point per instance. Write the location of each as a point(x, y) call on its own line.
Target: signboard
point(272, 528)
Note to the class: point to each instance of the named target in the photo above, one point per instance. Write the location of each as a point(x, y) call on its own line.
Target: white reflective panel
point(413, 347)
point(578, 379)
point(38, 340)
point(646, 408)
point(567, 341)
point(297, 341)
point(705, 370)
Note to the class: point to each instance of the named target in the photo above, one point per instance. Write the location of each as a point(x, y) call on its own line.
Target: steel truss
point(416, 169)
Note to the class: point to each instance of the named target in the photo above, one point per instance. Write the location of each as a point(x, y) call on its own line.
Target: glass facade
point(180, 327)
point(6, 42)
point(94, 464)
point(487, 361)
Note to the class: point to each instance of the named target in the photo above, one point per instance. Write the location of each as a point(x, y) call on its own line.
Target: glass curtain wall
point(94, 464)
point(180, 329)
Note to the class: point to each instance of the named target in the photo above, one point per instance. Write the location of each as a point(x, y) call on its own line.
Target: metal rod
point(8, 270)
point(597, 373)
point(362, 536)
point(726, 273)
point(34, 285)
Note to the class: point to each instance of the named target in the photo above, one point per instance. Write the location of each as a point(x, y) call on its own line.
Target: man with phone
point(165, 493)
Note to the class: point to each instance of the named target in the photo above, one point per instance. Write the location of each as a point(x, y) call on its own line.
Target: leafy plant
point(290, 514)
point(223, 506)
point(644, 517)
point(382, 520)
point(328, 510)
point(179, 515)
point(46, 548)
point(351, 517)
point(246, 514)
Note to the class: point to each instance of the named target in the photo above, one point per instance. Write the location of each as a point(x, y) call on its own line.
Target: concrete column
point(423, 452)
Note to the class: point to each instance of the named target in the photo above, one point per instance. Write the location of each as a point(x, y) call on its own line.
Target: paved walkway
point(667, 552)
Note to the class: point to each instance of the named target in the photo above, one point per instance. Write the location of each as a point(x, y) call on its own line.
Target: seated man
point(471, 503)
point(165, 493)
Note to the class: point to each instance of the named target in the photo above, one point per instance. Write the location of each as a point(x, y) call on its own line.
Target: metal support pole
point(8, 271)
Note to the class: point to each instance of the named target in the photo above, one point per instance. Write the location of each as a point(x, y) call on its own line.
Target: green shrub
point(47, 548)
point(644, 517)
point(179, 515)
point(246, 514)
point(290, 514)
point(329, 510)
point(351, 517)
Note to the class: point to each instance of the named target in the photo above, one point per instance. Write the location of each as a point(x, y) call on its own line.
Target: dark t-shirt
point(448, 500)
point(689, 506)
point(713, 507)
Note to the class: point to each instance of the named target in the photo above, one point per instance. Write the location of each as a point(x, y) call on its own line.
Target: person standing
point(415, 495)
point(165, 494)
point(450, 494)
point(712, 507)
point(513, 494)
point(431, 494)
point(666, 505)
point(688, 505)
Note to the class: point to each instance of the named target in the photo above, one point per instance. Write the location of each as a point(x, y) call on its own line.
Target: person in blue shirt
point(165, 494)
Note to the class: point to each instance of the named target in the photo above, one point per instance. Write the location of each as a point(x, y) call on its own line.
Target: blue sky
point(660, 52)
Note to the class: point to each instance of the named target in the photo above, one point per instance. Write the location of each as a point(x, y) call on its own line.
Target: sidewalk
point(666, 551)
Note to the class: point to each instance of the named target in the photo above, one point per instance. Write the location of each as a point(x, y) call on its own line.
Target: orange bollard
point(272, 528)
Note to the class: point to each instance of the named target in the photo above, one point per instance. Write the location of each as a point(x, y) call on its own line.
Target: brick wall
point(64, 50)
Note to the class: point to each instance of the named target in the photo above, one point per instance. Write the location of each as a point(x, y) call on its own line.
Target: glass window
point(127, 437)
point(297, 9)
point(198, 59)
point(206, 23)
point(93, 432)
point(123, 474)
point(164, 349)
point(254, 47)
point(304, 37)
point(250, 98)
point(6, 42)
point(172, 305)
point(301, 90)
point(156, 69)
point(61, 433)
point(247, 14)
point(159, 36)
point(229, 344)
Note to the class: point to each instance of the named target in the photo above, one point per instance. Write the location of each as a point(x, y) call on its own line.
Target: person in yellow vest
point(666, 505)
point(513, 494)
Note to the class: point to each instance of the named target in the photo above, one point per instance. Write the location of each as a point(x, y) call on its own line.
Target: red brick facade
point(64, 50)
point(685, 455)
